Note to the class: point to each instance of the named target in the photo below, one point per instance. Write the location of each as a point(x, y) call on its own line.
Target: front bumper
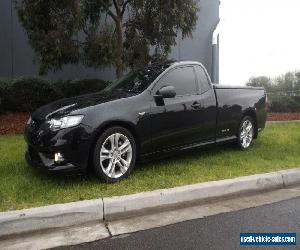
point(73, 143)
point(40, 161)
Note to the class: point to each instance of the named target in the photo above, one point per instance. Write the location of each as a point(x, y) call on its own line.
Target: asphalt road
point(216, 232)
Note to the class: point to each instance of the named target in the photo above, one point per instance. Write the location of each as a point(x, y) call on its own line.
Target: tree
point(286, 82)
point(297, 84)
point(101, 33)
point(260, 81)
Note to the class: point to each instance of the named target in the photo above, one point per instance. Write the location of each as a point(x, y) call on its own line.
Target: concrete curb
point(54, 216)
point(114, 208)
point(290, 177)
point(138, 204)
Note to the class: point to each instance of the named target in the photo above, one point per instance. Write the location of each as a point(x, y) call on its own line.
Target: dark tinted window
point(202, 78)
point(183, 79)
point(137, 81)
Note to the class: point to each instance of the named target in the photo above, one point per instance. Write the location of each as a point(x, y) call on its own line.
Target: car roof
point(182, 63)
point(172, 64)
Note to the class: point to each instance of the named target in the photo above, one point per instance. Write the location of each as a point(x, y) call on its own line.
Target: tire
point(114, 155)
point(246, 132)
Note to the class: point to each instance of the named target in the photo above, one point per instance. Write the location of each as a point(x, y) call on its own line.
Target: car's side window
point(202, 79)
point(183, 79)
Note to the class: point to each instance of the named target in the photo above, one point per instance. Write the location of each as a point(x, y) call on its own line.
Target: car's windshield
point(137, 81)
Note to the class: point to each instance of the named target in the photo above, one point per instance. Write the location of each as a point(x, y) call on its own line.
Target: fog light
point(58, 157)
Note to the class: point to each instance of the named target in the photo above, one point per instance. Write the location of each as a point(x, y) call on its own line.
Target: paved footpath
point(214, 232)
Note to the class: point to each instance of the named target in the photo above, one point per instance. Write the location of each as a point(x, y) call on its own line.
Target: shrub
point(5, 85)
point(282, 104)
point(29, 93)
point(80, 87)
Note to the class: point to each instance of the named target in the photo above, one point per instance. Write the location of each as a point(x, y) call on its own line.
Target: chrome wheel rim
point(116, 155)
point(246, 134)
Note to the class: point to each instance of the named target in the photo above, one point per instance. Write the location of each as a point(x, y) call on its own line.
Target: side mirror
point(166, 92)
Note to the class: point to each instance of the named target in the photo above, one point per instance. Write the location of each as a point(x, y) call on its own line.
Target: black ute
point(158, 109)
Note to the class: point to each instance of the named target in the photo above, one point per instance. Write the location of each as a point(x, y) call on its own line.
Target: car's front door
point(176, 121)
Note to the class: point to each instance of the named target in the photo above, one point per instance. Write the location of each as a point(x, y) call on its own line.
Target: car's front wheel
point(246, 132)
point(114, 154)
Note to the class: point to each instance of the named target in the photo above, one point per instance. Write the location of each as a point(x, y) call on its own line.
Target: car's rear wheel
point(246, 132)
point(114, 154)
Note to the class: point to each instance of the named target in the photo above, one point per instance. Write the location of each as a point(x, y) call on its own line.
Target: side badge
point(225, 130)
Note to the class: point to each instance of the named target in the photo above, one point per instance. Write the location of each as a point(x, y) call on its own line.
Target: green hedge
point(25, 94)
point(284, 104)
point(79, 87)
point(5, 85)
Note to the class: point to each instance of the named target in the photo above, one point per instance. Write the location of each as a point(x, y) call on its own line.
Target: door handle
point(196, 105)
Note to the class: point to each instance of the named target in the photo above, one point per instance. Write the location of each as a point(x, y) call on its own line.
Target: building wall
point(17, 57)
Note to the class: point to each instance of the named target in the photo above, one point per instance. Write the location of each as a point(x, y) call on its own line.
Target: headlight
point(65, 122)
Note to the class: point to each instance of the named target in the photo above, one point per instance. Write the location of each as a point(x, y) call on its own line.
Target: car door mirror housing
point(166, 92)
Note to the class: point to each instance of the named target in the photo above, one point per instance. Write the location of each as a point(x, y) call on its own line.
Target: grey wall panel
point(5, 39)
point(23, 55)
point(198, 48)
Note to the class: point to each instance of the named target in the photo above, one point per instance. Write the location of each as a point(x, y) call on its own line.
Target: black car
point(158, 109)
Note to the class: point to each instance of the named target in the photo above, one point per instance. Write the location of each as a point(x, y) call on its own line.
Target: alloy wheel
point(116, 155)
point(246, 134)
